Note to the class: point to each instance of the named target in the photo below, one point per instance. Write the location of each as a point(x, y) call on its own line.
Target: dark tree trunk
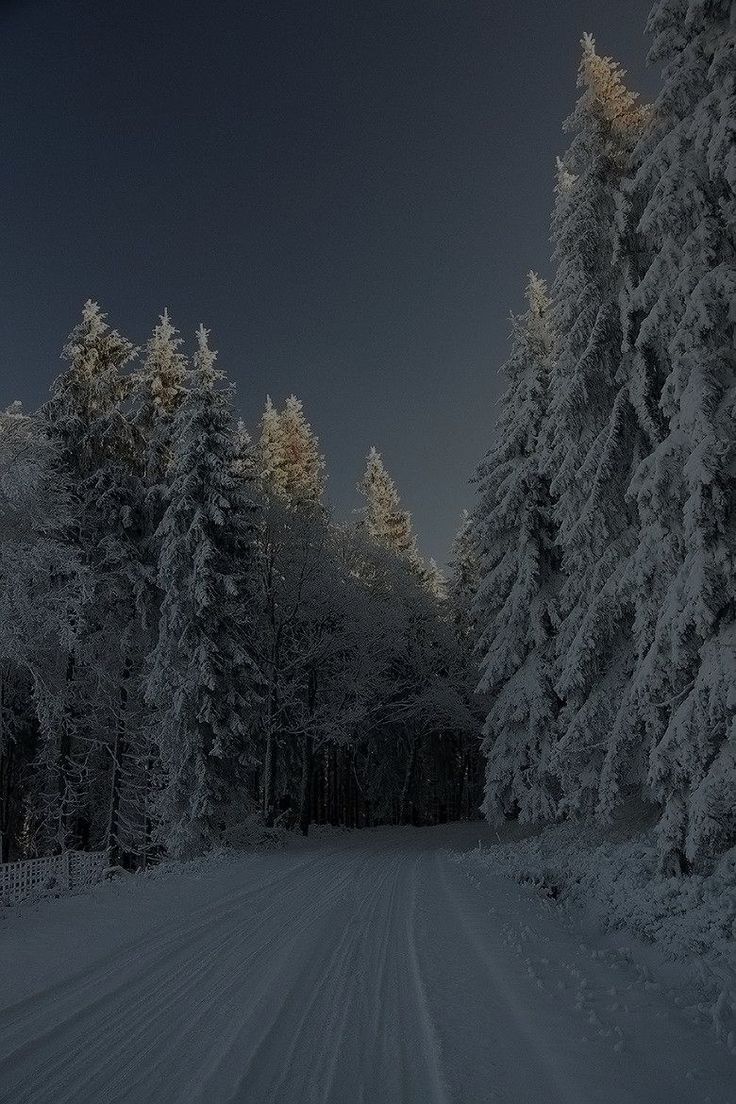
point(333, 787)
point(305, 796)
point(6, 780)
point(323, 787)
point(269, 780)
point(64, 768)
point(271, 757)
point(116, 779)
point(112, 841)
point(148, 819)
point(408, 779)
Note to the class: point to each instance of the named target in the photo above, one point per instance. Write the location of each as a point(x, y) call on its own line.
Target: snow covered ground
point(611, 873)
point(362, 968)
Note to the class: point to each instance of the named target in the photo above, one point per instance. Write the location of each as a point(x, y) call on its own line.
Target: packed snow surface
point(359, 968)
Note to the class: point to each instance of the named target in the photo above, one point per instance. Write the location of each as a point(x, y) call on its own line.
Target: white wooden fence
point(47, 876)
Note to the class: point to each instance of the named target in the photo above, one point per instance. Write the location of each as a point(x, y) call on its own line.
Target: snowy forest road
point(368, 968)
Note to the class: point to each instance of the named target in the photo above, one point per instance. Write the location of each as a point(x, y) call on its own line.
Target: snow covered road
point(369, 968)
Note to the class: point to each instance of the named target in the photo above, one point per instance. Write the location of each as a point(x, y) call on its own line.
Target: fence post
point(66, 859)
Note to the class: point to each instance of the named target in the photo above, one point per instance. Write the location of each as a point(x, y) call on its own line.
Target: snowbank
point(609, 875)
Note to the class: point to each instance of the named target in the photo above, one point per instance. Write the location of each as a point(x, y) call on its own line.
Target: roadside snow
point(681, 930)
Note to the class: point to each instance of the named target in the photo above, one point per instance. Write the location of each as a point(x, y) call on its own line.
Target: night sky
point(348, 194)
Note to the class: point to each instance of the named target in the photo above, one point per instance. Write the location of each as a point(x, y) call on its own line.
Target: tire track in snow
point(310, 1013)
point(341, 994)
point(245, 988)
point(430, 1040)
point(278, 995)
point(531, 1059)
point(382, 1037)
point(99, 1023)
point(132, 953)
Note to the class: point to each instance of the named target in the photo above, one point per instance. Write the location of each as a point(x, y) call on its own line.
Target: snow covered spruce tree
point(591, 442)
point(515, 607)
point(42, 593)
point(159, 389)
point(291, 464)
point(683, 332)
point(86, 731)
point(389, 524)
point(202, 683)
point(294, 539)
point(385, 520)
point(464, 579)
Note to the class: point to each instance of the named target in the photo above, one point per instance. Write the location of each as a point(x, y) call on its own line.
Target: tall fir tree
point(202, 682)
point(683, 335)
point(42, 597)
point(86, 420)
point(161, 385)
point(515, 607)
point(591, 445)
point(160, 388)
point(291, 470)
point(270, 452)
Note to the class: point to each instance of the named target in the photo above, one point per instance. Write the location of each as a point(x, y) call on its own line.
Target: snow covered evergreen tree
point(291, 472)
point(159, 389)
point(246, 459)
point(270, 450)
point(385, 520)
point(464, 579)
point(86, 421)
point(515, 607)
point(303, 462)
point(591, 443)
point(160, 382)
point(42, 594)
point(202, 683)
point(388, 524)
point(291, 464)
point(683, 333)
point(434, 580)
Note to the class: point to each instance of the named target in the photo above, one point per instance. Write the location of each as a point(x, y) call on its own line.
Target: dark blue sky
point(349, 194)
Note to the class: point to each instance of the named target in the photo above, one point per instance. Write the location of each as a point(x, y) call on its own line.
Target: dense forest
point(606, 524)
point(190, 643)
